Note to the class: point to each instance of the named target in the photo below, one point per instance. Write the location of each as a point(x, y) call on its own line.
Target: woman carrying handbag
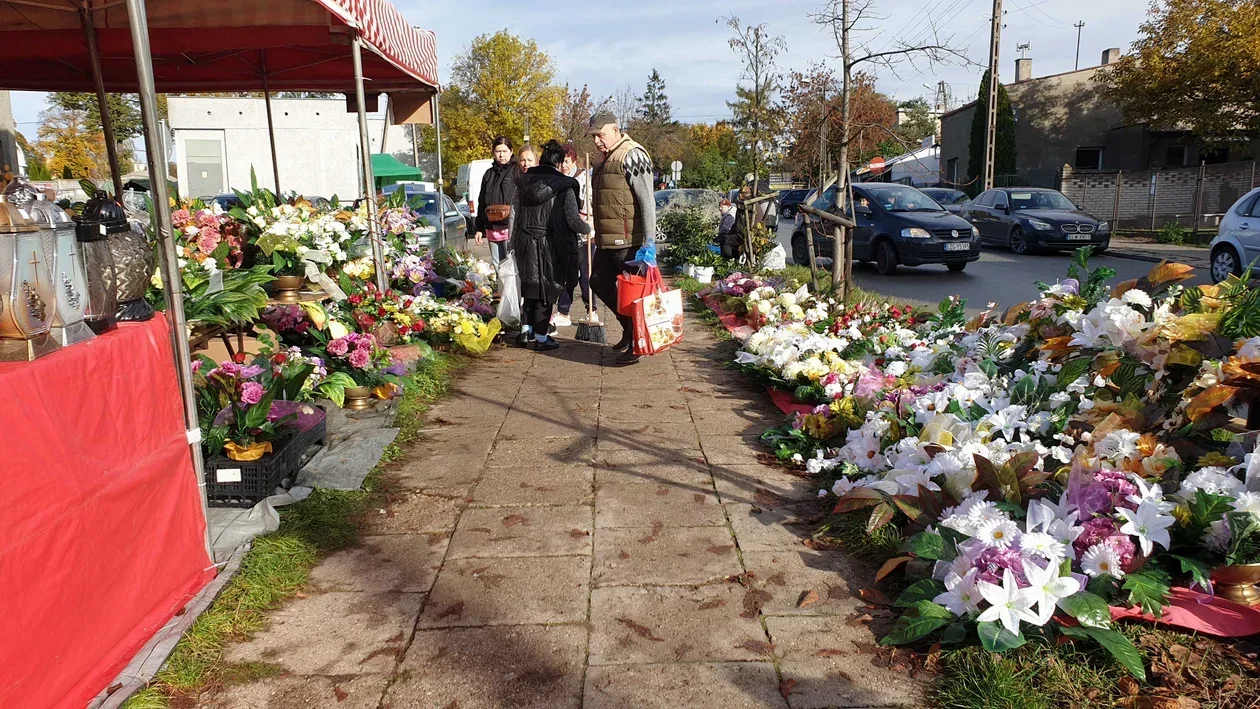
point(494, 201)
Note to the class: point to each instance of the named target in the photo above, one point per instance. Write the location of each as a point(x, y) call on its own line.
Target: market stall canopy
point(304, 45)
point(388, 167)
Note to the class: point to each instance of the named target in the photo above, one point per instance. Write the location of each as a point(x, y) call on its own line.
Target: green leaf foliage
point(1149, 589)
point(1118, 645)
point(920, 619)
point(1088, 609)
point(996, 638)
point(929, 545)
point(921, 590)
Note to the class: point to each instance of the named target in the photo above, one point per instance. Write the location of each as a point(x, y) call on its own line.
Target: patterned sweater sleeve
point(638, 170)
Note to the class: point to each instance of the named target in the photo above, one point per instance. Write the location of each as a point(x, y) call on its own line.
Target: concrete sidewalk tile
point(300, 692)
point(725, 685)
point(750, 421)
point(541, 452)
point(762, 485)
point(831, 662)
point(420, 470)
point(334, 634)
point(514, 591)
point(549, 423)
point(660, 411)
point(637, 458)
point(522, 531)
point(403, 563)
point(660, 555)
point(731, 450)
point(467, 443)
point(559, 485)
point(681, 624)
point(638, 435)
point(803, 582)
point(524, 667)
point(626, 502)
point(768, 529)
point(414, 514)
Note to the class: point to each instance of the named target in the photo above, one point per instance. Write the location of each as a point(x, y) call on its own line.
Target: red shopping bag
point(658, 317)
point(631, 287)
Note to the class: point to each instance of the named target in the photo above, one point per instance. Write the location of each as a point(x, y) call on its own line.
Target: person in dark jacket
point(545, 241)
point(498, 187)
point(725, 227)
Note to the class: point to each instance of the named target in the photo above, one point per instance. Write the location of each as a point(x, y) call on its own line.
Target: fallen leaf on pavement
point(807, 599)
point(785, 687)
point(514, 519)
point(830, 652)
point(871, 595)
point(640, 630)
point(455, 609)
point(758, 646)
point(715, 603)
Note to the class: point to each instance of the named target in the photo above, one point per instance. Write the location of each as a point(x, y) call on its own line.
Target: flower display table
point(102, 536)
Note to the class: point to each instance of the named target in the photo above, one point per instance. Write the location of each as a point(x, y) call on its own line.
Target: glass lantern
point(132, 254)
point(101, 308)
point(27, 298)
point(65, 259)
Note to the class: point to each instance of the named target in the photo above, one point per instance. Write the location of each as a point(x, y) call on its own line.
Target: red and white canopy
point(304, 45)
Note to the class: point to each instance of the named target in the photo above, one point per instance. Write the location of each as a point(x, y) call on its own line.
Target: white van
point(468, 182)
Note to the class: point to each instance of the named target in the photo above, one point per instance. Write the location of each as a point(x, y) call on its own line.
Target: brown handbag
point(498, 212)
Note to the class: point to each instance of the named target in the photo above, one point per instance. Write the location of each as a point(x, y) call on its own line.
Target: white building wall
point(317, 141)
point(8, 134)
point(921, 166)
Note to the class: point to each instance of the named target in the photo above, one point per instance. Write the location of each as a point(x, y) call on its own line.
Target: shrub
point(688, 233)
point(1172, 233)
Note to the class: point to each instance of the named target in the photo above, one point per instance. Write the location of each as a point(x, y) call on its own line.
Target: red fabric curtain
point(102, 539)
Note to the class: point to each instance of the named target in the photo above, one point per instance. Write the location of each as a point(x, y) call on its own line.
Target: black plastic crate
point(260, 478)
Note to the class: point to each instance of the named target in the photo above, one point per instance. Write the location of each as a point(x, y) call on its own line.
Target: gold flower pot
point(254, 451)
point(358, 398)
point(1238, 583)
point(288, 289)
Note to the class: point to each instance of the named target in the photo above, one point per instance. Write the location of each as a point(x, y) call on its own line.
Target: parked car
point(465, 210)
point(952, 200)
point(789, 199)
point(896, 225)
point(456, 223)
point(226, 201)
point(668, 201)
point(1237, 241)
point(468, 181)
point(1027, 219)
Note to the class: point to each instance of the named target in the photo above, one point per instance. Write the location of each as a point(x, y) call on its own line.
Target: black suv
point(1026, 219)
point(788, 199)
point(896, 224)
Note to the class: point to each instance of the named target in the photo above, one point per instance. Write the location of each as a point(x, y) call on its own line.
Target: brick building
point(1063, 120)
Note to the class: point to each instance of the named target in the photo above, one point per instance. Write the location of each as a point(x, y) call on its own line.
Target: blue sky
point(611, 45)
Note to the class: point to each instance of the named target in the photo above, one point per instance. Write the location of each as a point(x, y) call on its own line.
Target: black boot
point(525, 339)
point(623, 344)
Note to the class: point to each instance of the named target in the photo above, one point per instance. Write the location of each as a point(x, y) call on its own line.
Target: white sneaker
point(594, 317)
point(561, 320)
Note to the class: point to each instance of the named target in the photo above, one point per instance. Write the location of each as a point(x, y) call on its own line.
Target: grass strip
point(277, 565)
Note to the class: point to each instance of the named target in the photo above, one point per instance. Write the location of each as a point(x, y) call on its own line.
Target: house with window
point(1064, 119)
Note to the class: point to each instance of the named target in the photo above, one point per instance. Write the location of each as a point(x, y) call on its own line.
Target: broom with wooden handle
point(590, 330)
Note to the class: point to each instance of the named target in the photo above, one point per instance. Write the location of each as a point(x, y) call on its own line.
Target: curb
point(1132, 256)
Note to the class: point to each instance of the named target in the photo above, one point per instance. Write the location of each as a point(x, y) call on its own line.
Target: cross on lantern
point(35, 262)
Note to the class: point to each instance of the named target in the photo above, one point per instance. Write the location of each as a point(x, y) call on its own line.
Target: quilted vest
point(613, 202)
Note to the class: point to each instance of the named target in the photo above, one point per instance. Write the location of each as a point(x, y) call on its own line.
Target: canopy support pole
point(437, 125)
point(365, 153)
point(271, 126)
point(107, 121)
point(171, 281)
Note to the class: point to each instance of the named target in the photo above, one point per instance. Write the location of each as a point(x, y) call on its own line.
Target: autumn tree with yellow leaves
point(1196, 65)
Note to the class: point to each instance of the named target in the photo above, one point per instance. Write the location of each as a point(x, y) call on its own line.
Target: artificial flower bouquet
point(386, 315)
point(358, 355)
point(243, 425)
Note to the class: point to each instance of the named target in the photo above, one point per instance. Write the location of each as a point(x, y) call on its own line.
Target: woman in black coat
point(545, 233)
point(498, 187)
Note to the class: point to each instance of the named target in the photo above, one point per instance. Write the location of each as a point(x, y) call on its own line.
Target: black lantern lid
point(103, 209)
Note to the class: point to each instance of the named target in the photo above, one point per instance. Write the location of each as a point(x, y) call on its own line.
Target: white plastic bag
point(776, 260)
point(509, 294)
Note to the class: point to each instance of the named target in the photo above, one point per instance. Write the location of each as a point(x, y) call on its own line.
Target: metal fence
point(1146, 200)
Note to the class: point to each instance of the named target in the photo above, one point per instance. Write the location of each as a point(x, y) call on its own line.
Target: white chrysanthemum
point(1212, 480)
point(1134, 296)
point(1043, 546)
point(999, 533)
point(1118, 445)
point(1102, 559)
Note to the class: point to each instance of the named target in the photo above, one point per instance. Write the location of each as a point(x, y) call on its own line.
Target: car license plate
point(1079, 237)
point(960, 246)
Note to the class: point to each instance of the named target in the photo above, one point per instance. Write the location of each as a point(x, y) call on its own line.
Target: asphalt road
point(999, 276)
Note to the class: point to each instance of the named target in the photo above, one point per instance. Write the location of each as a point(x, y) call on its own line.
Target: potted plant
point(244, 428)
point(360, 357)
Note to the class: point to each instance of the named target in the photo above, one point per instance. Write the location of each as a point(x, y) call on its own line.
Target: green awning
point(388, 167)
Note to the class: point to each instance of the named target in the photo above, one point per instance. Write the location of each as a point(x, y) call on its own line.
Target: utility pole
point(990, 132)
point(1078, 27)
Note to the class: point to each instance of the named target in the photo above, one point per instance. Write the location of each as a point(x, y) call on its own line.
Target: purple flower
point(360, 358)
point(251, 392)
point(993, 561)
point(250, 372)
point(1101, 491)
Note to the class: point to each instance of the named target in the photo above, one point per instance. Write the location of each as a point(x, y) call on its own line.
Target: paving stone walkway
point(575, 534)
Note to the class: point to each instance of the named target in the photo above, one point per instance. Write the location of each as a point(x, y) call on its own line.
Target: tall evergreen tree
point(1004, 162)
point(654, 105)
